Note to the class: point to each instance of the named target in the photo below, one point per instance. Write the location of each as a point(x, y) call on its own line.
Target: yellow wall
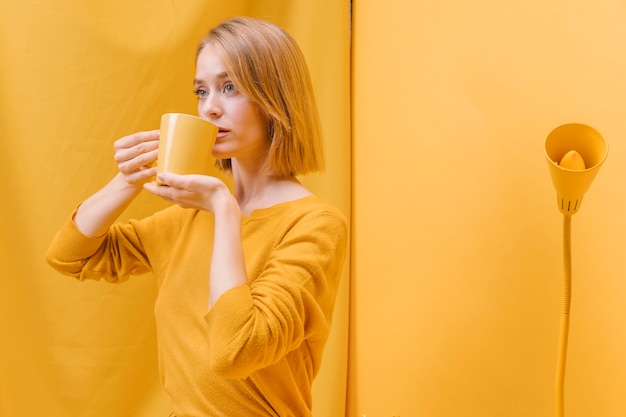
point(457, 256)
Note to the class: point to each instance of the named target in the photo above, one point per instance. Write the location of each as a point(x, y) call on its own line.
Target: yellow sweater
point(256, 352)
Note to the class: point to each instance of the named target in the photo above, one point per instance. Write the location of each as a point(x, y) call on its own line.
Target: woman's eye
point(200, 93)
point(230, 88)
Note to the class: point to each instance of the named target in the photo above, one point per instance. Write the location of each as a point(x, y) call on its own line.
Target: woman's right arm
point(134, 155)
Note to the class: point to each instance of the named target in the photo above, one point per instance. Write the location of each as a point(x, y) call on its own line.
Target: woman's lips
point(222, 132)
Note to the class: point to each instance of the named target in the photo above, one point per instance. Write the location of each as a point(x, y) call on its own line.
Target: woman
point(246, 281)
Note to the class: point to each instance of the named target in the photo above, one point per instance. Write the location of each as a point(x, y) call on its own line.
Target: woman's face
point(243, 131)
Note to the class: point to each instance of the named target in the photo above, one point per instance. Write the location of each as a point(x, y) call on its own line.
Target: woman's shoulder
point(297, 210)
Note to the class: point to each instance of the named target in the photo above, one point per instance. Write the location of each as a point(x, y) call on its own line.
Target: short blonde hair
point(266, 64)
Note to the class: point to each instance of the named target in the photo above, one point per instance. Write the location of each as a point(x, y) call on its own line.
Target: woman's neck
point(255, 189)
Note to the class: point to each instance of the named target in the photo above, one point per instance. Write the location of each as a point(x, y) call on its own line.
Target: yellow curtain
point(75, 76)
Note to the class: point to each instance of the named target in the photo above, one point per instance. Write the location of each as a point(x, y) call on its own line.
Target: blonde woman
point(247, 281)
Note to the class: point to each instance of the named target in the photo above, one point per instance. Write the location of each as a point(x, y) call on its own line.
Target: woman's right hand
point(135, 156)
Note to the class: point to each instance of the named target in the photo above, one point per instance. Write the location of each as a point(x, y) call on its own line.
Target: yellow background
point(456, 266)
point(75, 76)
point(457, 247)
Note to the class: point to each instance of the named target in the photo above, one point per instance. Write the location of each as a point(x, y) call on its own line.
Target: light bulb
point(572, 160)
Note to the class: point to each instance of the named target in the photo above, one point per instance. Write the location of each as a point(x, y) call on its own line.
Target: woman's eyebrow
point(219, 76)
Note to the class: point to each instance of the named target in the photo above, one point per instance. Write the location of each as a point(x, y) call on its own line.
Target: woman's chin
point(220, 155)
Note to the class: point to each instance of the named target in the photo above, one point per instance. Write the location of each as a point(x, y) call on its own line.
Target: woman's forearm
point(227, 261)
point(96, 214)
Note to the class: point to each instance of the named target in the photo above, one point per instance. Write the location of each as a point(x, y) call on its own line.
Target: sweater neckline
point(266, 211)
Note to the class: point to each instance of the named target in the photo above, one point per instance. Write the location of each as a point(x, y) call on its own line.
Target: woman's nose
point(210, 106)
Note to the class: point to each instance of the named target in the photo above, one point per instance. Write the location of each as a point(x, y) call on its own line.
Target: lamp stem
point(567, 301)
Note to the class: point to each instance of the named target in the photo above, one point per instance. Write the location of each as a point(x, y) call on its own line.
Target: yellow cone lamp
point(575, 153)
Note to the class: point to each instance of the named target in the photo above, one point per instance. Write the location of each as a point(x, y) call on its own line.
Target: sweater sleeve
point(288, 304)
point(114, 257)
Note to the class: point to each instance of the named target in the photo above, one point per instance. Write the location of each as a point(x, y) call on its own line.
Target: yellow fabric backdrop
point(74, 76)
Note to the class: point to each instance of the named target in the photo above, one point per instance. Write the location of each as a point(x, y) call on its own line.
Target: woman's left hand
point(191, 191)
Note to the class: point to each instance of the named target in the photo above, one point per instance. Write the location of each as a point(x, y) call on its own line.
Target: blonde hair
point(266, 65)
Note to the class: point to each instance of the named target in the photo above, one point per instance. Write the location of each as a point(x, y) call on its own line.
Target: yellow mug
point(185, 144)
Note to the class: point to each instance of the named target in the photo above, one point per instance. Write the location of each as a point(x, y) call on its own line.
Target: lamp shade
point(572, 183)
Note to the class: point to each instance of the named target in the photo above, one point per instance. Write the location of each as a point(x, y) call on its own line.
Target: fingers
point(136, 138)
point(136, 151)
point(135, 156)
point(169, 189)
point(139, 162)
point(193, 183)
point(188, 191)
point(159, 190)
point(141, 175)
point(170, 179)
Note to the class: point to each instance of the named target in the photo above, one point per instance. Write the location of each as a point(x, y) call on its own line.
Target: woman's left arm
point(211, 194)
